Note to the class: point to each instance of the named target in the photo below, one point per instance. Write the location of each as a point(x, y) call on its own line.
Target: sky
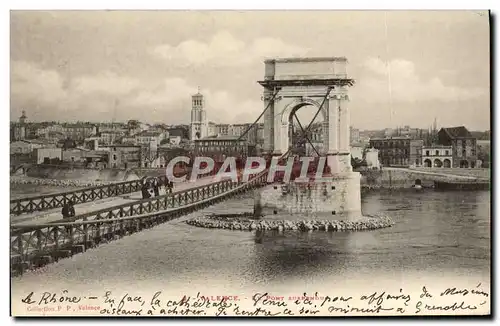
point(410, 67)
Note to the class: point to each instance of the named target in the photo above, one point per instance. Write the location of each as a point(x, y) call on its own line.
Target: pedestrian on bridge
point(68, 210)
point(167, 185)
point(170, 185)
point(156, 187)
point(145, 191)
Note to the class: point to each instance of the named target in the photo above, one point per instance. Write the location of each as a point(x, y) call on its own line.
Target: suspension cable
point(260, 116)
point(316, 115)
point(303, 132)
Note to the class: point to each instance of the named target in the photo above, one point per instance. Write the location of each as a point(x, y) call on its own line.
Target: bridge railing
point(176, 199)
point(143, 206)
point(29, 242)
point(44, 202)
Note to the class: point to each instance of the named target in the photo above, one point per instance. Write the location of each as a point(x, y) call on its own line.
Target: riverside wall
point(386, 178)
point(71, 177)
point(391, 179)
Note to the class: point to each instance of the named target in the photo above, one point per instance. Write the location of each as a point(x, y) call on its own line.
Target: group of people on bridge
point(68, 209)
point(155, 184)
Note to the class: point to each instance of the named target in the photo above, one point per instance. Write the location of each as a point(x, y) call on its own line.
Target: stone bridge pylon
point(293, 83)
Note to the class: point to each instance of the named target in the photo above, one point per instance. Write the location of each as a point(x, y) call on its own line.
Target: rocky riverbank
point(396, 188)
point(244, 223)
point(73, 183)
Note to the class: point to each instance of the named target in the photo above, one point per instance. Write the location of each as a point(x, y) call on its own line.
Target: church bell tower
point(199, 126)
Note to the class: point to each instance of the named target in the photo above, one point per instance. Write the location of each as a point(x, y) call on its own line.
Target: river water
point(438, 237)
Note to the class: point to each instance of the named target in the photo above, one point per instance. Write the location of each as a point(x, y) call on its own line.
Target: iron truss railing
point(38, 244)
point(45, 202)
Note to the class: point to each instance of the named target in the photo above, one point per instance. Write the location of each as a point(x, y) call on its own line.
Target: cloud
point(173, 98)
point(406, 85)
point(45, 95)
point(106, 82)
point(32, 83)
point(223, 49)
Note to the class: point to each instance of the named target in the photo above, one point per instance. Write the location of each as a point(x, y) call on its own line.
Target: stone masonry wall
point(338, 198)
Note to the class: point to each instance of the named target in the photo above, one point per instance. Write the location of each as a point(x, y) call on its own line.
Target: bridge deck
point(31, 204)
point(55, 214)
point(37, 244)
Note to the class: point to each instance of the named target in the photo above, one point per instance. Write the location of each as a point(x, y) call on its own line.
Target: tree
point(485, 159)
point(357, 163)
point(133, 124)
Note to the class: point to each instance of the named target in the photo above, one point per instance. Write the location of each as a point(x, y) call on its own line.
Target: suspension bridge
point(39, 236)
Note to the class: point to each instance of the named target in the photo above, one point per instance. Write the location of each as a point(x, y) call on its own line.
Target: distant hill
point(481, 135)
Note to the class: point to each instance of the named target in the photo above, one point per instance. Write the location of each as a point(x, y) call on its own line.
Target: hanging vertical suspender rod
point(260, 116)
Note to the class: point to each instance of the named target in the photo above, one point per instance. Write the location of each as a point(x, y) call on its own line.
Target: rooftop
point(391, 138)
point(78, 125)
point(333, 82)
point(39, 141)
point(149, 133)
point(457, 132)
point(125, 145)
point(115, 132)
point(306, 59)
point(77, 149)
point(436, 147)
point(219, 138)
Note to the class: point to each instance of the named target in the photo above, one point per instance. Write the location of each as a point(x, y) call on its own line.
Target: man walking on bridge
point(168, 186)
point(156, 187)
point(68, 210)
point(145, 191)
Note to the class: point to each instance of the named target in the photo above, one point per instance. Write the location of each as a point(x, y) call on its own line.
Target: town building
point(398, 151)
point(199, 124)
point(48, 155)
point(128, 140)
point(223, 146)
point(113, 126)
point(389, 132)
point(96, 159)
point(21, 147)
point(354, 134)
point(181, 131)
point(75, 131)
point(437, 156)
point(174, 140)
point(91, 143)
point(67, 143)
point(150, 138)
point(313, 144)
point(28, 146)
point(253, 134)
point(357, 151)
point(124, 156)
point(464, 146)
point(484, 152)
point(371, 158)
point(19, 129)
point(79, 131)
point(74, 155)
point(110, 136)
point(212, 129)
point(222, 129)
